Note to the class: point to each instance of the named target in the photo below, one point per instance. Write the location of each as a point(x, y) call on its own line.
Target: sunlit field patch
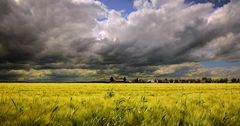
point(119, 104)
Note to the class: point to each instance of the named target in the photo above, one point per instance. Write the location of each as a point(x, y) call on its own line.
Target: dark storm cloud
point(4, 8)
point(5, 76)
point(17, 39)
point(42, 32)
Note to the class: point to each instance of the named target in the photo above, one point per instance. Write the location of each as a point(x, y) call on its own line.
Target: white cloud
point(162, 32)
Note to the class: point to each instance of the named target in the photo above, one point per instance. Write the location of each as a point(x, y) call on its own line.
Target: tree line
point(166, 80)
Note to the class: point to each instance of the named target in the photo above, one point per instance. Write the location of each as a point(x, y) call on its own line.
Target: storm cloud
point(39, 32)
point(169, 33)
point(85, 34)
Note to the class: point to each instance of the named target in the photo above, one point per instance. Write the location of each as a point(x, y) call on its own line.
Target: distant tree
point(135, 80)
point(221, 80)
point(225, 80)
point(204, 79)
point(184, 81)
point(166, 80)
point(160, 81)
point(198, 81)
point(155, 81)
point(176, 81)
point(216, 81)
point(124, 79)
point(112, 79)
point(209, 80)
point(142, 81)
point(192, 81)
point(234, 80)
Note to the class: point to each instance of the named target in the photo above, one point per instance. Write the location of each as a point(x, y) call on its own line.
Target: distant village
point(166, 80)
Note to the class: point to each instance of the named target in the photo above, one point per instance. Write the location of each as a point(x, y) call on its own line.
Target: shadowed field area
point(119, 104)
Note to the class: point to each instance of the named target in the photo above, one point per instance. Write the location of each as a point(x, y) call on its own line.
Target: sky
point(91, 40)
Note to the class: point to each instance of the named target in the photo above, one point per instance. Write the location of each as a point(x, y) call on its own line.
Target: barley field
point(120, 104)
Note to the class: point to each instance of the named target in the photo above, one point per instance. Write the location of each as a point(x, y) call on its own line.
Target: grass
point(120, 104)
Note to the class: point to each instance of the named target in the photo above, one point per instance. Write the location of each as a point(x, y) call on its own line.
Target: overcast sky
point(82, 40)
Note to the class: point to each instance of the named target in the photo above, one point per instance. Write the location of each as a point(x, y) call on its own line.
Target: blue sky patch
point(220, 64)
point(119, 5)
point(127, 5)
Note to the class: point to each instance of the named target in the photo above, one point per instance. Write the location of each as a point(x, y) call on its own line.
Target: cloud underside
point(177, 71)
point(78, 36)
